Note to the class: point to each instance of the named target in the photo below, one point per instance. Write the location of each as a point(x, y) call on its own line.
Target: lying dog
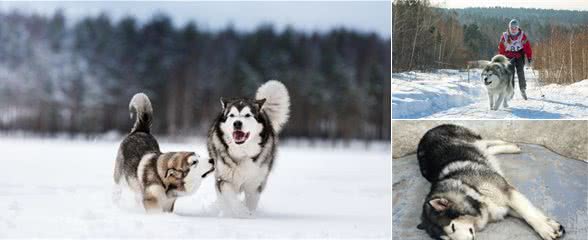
point(468, 189)
point(499, 80)
point(159, 177)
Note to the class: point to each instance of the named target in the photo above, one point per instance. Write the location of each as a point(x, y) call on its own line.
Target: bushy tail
point(500, 59)
point(277, 103)
point(142, 112)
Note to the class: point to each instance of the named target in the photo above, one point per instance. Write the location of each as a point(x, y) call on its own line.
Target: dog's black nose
point(486, 79)
point(238, 125)
point(211, 161)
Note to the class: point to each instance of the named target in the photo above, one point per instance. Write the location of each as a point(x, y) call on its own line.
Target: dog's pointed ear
point(223, 102)
point(260, 102)
point(440, 204)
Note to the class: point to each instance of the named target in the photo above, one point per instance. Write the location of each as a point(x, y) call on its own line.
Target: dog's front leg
point(547, 228)
point(252, 194)
point(491, 100)
point(229, 198)
point(153, 198)
point(498, 101)
point(505, 105)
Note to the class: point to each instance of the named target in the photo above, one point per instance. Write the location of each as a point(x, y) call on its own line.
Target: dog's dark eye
point(247, 115)
point(231, 115)
point(195, 162)
point(453, 228)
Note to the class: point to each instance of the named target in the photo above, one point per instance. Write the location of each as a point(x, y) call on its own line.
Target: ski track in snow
point(447, 93)
point(63, 189)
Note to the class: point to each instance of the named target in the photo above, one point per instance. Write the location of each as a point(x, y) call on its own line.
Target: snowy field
point(63, 189)
point(449, 94)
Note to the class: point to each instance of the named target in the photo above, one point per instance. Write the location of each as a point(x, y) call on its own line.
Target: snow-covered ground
point(63, 189)
point(452, 94)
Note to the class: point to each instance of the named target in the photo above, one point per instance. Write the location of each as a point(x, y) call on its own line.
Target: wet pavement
point(555, 184)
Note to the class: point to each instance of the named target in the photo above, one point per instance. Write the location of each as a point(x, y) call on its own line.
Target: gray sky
point(547, 4)
point(307, 16)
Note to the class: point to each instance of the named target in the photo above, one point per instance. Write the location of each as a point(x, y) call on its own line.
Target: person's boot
point(524, 94)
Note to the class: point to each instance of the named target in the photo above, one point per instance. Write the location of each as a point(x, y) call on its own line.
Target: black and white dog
point(498, 78)
point(243, 141)
point(159, 178)
point(468, 188)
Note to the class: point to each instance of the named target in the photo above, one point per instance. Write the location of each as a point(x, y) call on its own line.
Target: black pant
point(519, 64)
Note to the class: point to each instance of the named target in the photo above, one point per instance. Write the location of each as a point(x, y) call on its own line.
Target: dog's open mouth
point(240, 136)
point(487, 82)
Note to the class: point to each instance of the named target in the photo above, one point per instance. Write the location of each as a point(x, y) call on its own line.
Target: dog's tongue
point(238, 135)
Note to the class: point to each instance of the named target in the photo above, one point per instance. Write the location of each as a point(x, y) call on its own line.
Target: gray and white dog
point(499, 80)
point(243, 141)
point(159, 178)
point(468, 188)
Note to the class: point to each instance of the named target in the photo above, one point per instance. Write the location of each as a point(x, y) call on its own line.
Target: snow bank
point(449, 94)
point(417, 94)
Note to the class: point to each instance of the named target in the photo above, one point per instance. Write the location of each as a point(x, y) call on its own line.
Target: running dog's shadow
point(562, 103)
point(530, 113)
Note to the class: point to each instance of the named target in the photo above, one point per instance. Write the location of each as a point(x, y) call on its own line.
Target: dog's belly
point(245, 174)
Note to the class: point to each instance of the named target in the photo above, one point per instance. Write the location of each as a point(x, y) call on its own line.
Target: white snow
point(449, 94)
point(63, 189)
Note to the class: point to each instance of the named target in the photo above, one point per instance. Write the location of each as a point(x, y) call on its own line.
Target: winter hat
point(513, 23)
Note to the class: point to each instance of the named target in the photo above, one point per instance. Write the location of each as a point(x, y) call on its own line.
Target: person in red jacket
point(515, 45)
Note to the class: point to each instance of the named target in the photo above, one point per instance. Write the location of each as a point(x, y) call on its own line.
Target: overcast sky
point(547, 4)
point(306, 16)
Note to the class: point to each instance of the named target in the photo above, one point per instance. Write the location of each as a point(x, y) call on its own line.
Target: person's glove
point(529, 63)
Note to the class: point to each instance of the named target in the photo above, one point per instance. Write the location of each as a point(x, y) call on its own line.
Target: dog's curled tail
point(142, 112)
point(277, 103)
point(500, 59)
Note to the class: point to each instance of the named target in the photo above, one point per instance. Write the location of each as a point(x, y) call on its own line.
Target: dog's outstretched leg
point(547, 228)
point(491, 100)
point(489, 143)
point(252, 194)
point(153, 197)
point(501, 149)
point(498, 101)
point(230, 200)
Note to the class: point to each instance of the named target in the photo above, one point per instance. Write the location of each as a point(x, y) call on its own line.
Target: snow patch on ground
point(453, 94)
point(63, 189)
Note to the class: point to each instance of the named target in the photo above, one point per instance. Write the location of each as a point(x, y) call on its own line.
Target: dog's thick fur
point(468, 188)
point(243, 141)
point(499, 80)
point(158, 177)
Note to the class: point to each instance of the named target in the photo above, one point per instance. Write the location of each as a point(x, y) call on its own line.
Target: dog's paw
point(558, 229)
point(550, 229)
point(514, 148)
point(240, 212)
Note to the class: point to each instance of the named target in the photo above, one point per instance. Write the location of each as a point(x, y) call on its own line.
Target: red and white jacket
point(513, 46)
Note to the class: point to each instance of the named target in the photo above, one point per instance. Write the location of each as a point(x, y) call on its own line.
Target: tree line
point(78, 77)
point(563, 57)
